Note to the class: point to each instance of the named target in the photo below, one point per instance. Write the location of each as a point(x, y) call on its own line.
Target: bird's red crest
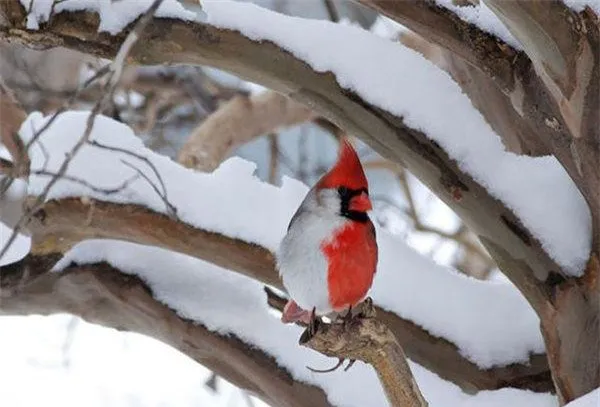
point(347, 171)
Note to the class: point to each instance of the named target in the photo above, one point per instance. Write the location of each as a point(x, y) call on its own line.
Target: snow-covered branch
point(274, 67)
point(105, 295)
point(529, 212)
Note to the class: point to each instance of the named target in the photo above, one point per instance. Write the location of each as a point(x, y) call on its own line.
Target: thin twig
point(114, 76)
point(82, 182)
point(171, 210)
point(139, 157)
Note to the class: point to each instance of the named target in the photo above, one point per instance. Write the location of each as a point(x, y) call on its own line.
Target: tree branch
point(236, 122)
point(553, 85)
point(370, 340)
point(196, 43)
point(61, 224)
point(11, 117)
point(103, 295)
point(563, 46)
point(444, 28)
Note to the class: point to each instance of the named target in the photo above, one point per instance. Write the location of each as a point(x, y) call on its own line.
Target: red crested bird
point(328, 258)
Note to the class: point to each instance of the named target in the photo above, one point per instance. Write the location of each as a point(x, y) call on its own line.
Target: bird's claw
point(334, 368)
point(312, 328)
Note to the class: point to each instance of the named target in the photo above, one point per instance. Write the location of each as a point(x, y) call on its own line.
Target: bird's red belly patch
point(352, 261)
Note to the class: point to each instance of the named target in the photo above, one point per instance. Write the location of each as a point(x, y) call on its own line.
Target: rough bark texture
point(563, 46)
point(561, 101)
point(554, 85)
point(61, 224)
point(237, 122)
point(370, 341)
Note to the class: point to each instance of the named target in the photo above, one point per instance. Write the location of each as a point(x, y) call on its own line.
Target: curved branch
point(444, 28)
point(174, 41)
point(103, 295)
point(239, 121)
point(563, 46)
point(370, 340)
point(62, 224)
point(553, 85)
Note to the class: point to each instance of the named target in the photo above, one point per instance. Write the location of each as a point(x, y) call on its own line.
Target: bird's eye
point(343, 191)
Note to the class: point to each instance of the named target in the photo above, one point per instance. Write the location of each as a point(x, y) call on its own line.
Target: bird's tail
point(292, 313)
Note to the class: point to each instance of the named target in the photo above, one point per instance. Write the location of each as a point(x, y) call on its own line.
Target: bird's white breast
point(302, 264)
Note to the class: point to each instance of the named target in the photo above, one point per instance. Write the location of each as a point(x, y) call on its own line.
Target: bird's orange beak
point(360, 203)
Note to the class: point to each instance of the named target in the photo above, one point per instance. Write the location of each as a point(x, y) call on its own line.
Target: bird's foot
point(364, 310)
point(313, 327)
point(334, 368)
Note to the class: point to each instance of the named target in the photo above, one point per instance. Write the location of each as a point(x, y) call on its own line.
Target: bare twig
point(273, 157)
point(171, 210)
point(332, 11)
point(81, 181)
point(145, 160)
point(114, 76)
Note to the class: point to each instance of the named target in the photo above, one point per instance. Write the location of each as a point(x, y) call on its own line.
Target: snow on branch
point(429, 100)
point(107, 296)
point(268, 64)
point(232, 202)
point(213, 308)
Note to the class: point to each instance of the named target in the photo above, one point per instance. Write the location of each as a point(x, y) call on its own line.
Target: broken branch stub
point(371, 341)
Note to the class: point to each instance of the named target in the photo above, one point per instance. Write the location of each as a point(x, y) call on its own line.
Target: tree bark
point(370, 341)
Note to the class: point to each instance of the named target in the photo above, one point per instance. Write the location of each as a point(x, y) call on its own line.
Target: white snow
point(592, 399)
point(483, 17)
point(491, 323)
point(229, 303)
point(579, 5)
point(114, 15)
point(71, 363)
point(538, 190)
point(211, 201)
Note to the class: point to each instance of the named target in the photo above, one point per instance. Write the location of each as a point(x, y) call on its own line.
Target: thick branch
point(370, 341)
point(239, 121)
point(263, 62)
point(103, 295)
point(61, 224)
point(496, 106)
point(441, 26)
point(557, 96)
point(563, 46)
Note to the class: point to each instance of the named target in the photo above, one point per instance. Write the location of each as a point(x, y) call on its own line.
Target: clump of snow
point(210, 201)
point(491, 323)
point(537, 189)
point(592, 399)
point(114, 15)
point(483, 17)
point(228, 303)
point(387, 28)
point(580, 5)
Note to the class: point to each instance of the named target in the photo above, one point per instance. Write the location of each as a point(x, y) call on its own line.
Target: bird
point(328, 258)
